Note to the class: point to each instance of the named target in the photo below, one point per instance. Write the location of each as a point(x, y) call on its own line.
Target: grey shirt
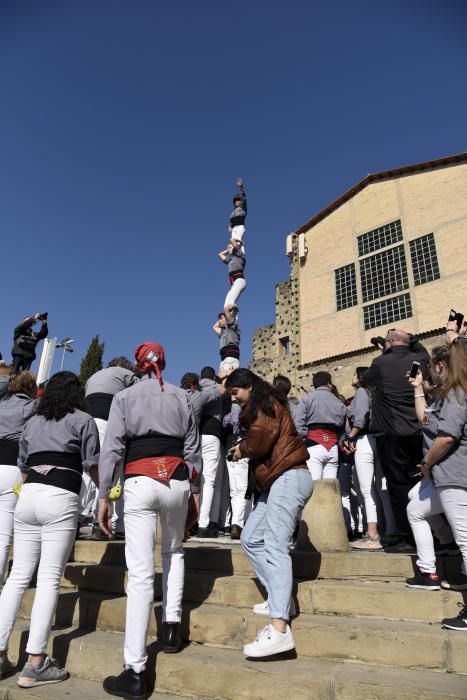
point(76, 433)
point(144, 410)
point(230, 334)
point(213, 408)
point(320, 407)
point(15, 411)
point(110, 380)
point(448, 417)
point(235, 260)
point(359, 410)
point(200, 399)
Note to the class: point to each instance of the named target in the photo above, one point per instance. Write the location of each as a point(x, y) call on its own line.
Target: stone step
point(221, 673)
point(230, 558)
point(74, 689)
point(392, 601)
point(372, 640)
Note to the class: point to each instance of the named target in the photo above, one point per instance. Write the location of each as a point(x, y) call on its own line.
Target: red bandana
point(150, 359)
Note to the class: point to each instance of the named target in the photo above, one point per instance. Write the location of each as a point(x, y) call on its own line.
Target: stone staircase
point(360, 633)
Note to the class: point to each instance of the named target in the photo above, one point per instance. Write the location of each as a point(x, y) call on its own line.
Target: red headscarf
point(150, 358)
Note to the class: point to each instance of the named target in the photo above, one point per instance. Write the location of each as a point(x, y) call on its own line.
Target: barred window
point(384, 273)
point(379, 238)
point(388, 311)
point(424, 259)
point(346, 287)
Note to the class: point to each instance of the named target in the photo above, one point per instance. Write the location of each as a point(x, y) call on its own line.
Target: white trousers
point(45, 527)
point(238, 481)
point(229, 363)
point(372, 482)
point(238, 232)
point(454, 502)
point(210, 482)
point(424, 514)
point(323, 463)
point(235, 290)
point(145, 499)
point(9, 475)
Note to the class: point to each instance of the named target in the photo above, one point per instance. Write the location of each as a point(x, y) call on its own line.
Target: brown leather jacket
point(273, 446)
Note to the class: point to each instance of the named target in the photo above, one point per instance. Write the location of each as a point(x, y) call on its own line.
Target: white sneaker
point(263, 608)
point(269, 642)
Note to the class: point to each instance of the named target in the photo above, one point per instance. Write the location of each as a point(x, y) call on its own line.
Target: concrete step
point(74, 688)
point(230, 559)
point(371, 640)
point(212, 672)
point(392, 601)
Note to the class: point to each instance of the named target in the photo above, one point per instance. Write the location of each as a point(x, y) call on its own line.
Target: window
point(387, 311)
point(285, 345)
point(424, 259)
point(346, 287)
point(384, 273)
point(379, 238)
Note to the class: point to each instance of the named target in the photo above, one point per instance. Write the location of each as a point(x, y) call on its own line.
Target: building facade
point(391, 252)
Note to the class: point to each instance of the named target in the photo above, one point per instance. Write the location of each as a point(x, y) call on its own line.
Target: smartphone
point(459, 320)
point(414, 370)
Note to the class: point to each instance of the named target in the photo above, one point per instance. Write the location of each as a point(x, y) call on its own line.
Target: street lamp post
point(65, 344)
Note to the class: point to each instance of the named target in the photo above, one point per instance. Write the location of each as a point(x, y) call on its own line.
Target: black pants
point(20, 364)
point(399, 456)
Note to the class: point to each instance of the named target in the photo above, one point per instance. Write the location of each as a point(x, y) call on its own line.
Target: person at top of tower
point(236, 226)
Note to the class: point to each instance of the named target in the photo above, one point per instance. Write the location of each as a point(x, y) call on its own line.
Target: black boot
point(128, 684)
point(171, 641)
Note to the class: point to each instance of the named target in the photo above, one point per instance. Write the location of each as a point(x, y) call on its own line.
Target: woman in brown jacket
point(283, 485)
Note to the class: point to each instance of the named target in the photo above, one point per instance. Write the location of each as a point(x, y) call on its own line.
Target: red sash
point(159, 468)
point(326, 438)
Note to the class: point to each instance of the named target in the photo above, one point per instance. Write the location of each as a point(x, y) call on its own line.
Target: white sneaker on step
point(263, 608)
point(269, 642)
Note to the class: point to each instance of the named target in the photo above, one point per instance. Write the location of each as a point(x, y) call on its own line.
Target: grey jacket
point(448, 417)
point(213, 408)
point(76, 433)
point(144, 410)
point(235, 261)
point(320, 407)
point(110, 380)
point(15, 411)
point(201, 399)
point(230, 334)
point(359, 410)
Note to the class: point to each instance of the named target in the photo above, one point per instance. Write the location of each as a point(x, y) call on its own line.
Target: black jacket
point(25, 329)
point(393, 404)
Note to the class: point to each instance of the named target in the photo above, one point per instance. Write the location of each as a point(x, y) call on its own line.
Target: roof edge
point(374, 177)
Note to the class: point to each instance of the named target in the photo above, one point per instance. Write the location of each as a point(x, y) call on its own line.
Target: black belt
point(98, 405)
point(70, 460)
point(230, 351)
point(9, 450)
point(152, 446)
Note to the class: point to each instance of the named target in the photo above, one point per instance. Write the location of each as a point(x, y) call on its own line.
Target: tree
point(92, 361)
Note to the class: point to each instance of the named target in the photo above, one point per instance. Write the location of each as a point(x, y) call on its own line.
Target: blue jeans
point(268, 531)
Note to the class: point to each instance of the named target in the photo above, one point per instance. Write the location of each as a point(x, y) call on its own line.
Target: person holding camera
point(394, 423)
point(283, 485)
point(25, 341)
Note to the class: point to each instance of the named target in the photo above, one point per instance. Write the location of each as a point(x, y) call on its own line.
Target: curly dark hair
point(261, 395)
point(188, 380)
point(123, 362)
point(63, 394)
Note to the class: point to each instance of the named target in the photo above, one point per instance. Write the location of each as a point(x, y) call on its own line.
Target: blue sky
point(124, 124)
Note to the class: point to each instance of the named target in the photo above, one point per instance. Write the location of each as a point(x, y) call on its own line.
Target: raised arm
point(223, 255)
point(216, 328)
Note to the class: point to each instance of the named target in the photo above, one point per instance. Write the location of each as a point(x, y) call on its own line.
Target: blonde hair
point(23, 383)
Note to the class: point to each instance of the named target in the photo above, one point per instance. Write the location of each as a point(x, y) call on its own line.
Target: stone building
point(390, 252)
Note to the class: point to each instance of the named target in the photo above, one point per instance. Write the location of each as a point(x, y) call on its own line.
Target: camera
point(414, 370)
point(378, 341)
point(237, 441)
point(43, 317)
point(457, 317)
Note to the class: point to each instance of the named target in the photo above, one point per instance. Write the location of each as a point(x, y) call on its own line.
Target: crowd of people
point(223, 455)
